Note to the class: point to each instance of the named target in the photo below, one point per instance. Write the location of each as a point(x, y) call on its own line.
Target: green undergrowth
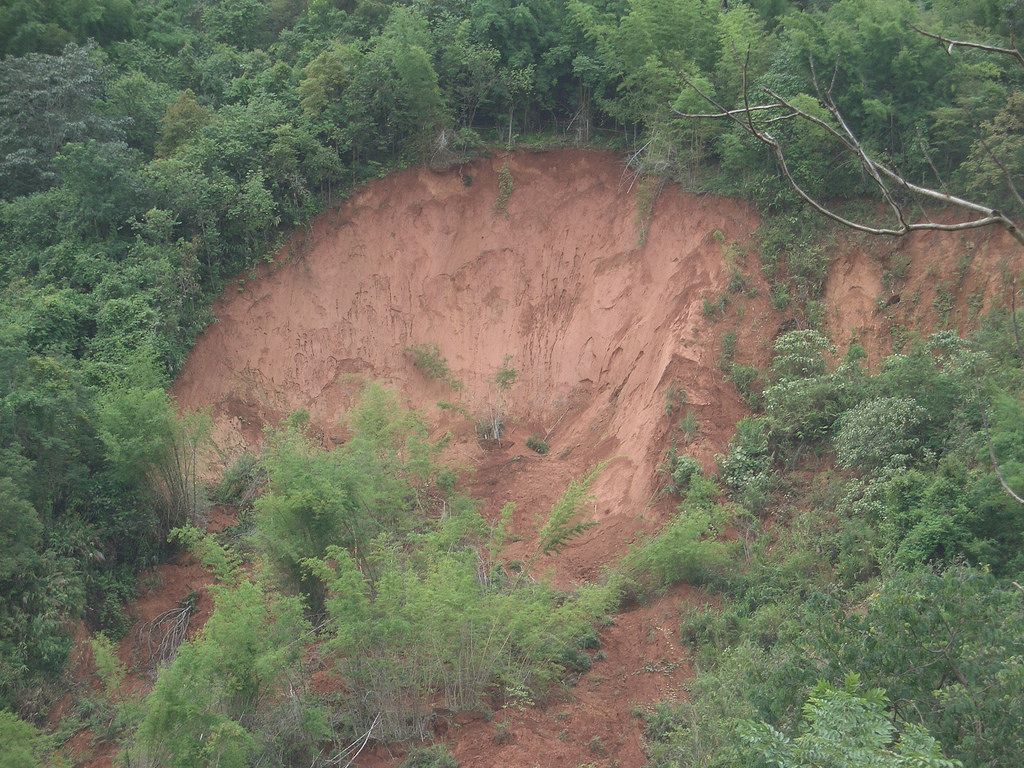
point(369, 567)
point(875, 576)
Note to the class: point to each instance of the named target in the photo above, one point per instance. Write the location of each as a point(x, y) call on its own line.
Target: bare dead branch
point(749, 119)
point(729, 112)
point(757, 119)
point(951, 44)
point(166, 632)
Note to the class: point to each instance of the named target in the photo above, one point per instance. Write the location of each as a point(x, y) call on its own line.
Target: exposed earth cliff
point(600, 305)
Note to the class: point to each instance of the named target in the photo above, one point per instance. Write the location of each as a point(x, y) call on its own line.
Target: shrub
point(747, 469)
point(874, 432)
point(506, 186)
point(685, 550)
point(436, 756)
point(241, 482)
point(433, 365)
point(681, 468)
point(537, 444)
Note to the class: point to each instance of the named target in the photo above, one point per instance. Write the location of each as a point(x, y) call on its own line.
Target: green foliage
point(675, 398)
point(240, 482)
point(432, 621)
point(686, 549)
point(148, 444)
point(24, 745)
point(800, 355)
point(748, 380)
point(428, 358)
point(948, 642)
point(504, 379)
point(436, 756)
point(537, 444)
point(141, 171)
point(681, 469)
point(847, 730)
point(747, 470)
point(877, 432)
point(805, 400)
point(218, 703)
point(182, 120)
point(564, 524)
point(47, 101)
point(506, 186)
point(384, 480)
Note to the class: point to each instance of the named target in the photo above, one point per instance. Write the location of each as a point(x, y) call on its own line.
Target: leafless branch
point(757, 121)
point(352, 751)
point(951, 44)
point(165, 633)
point(882, 175)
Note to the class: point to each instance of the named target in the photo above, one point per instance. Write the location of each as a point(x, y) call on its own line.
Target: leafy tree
point(947, 648)
point(216, 703)
point(102, 186)
point(398, 84)
point(46, 102)
point(241, 23)
point(24, 745)
point(182, 119)
point(846, 730)
point(139, 100)
point(31, 27)
point(879, 431)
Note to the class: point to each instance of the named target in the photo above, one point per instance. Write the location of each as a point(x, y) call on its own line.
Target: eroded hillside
point(599, 323)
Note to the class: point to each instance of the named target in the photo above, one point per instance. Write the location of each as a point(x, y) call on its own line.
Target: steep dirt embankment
point(597, 325)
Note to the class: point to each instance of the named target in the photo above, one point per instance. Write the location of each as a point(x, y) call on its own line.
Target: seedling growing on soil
point(433, 365)
point(564, 523)
point(506, 186)
point(504, 378)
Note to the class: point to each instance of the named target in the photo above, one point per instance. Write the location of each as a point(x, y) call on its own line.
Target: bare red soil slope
point(598, 325)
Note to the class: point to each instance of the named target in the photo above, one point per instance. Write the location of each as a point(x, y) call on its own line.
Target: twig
point(336, 760)
point(548, 433)
point(878, 172)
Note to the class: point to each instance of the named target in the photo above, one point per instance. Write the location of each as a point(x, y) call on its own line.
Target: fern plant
point(565, 523)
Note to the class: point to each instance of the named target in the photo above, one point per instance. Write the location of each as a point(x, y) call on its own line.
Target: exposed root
point(164, 635)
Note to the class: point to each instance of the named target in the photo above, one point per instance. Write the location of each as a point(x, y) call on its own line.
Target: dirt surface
point(599, 326)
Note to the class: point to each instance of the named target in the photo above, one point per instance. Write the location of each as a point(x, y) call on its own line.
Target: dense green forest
point(152, 149)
